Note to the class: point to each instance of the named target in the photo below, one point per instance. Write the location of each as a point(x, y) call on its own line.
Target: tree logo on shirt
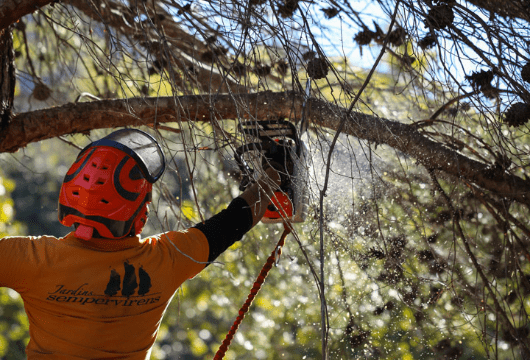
point(130, 282)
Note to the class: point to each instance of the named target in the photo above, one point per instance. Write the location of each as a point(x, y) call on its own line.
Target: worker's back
point(99, 298)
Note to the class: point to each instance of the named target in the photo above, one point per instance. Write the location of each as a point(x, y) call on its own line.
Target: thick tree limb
point(83, 117)
point(12, 10)
point(517, 9)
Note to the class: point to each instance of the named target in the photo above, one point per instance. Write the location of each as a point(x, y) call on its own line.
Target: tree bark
point(12, 10)
point(516, 9)
point(83, 117)
point(7, 80)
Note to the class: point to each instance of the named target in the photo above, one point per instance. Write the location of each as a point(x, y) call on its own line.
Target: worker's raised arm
point(245, 211)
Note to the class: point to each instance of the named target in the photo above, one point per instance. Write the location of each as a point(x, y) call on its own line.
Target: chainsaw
point(270, 141)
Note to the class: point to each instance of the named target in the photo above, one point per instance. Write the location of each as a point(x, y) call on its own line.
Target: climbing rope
point(253, 292)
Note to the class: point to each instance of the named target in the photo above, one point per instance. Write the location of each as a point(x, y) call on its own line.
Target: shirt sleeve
point(227, 227)
point(19, 261)
point(189, 249)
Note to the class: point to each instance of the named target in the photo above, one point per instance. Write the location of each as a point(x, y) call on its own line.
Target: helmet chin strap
point(84, 232)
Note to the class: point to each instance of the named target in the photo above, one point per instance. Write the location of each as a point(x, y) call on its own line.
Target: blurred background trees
point(416, 244)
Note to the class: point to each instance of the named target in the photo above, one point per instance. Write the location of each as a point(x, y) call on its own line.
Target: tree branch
point(516, 9)
point(83, 117)
point(11, 11)
point(186, 49)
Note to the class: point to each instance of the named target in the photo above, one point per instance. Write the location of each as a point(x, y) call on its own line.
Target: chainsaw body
point(267, 138)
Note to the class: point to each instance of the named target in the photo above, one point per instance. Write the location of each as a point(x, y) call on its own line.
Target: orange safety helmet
point(108, 188)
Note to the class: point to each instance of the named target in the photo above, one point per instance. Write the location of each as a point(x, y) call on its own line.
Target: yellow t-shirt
point(98, 299)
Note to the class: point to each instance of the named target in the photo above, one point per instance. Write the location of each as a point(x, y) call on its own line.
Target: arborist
point(101, 291)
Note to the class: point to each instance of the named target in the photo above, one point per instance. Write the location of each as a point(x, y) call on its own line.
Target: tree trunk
point(7, 80)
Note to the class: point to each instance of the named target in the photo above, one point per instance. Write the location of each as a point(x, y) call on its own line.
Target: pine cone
point(317, 68)
point(525, 72)
point(439, 17)
point(518, 114)
point(365, 37)
point(398, 36)
point(41, 92)
point(480, 79)
point(427, 42)
point(287, 8)
point(330, 12)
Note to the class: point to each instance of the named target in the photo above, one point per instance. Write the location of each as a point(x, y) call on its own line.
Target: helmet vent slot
point(86, 177)
point(100, 182)
point(75, 193)
point(104, 201)
point(94, 165)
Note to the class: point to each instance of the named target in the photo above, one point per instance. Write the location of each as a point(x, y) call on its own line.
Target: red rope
point(253, 292)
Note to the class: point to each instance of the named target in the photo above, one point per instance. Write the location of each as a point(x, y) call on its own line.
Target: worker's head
point(106, 192)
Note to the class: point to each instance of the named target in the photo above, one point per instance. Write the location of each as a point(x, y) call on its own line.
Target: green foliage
point(14, 328)
point(38, 172)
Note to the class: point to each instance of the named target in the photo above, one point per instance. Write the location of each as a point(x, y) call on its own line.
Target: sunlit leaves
point(13, 321)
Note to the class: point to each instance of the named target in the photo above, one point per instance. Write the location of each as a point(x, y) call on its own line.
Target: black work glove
point(278, 156)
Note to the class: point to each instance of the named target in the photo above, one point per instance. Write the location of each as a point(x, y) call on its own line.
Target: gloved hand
point(278, 156)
